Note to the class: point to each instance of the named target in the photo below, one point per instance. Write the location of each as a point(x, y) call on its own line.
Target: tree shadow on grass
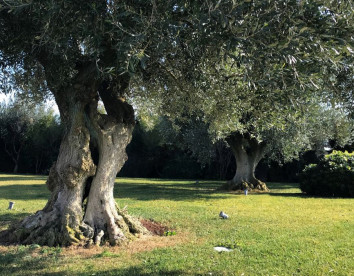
point(299, 195)
point(24, 192)
point(6, 220)
point(137, 270)
point(303, 195)
point(276, 189)
point(169, 190)
point(281, 194)
point(282, 186)
point(16, 177)
point(279, 189)
point(12, 216)
point(30, 259)
point(35, 260)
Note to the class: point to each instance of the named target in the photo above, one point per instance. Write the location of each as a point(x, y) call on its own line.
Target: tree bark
point(70, 216)
point(248, 152)
point(60, 220)
point(113, 132)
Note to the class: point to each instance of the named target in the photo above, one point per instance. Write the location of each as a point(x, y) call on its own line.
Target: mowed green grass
point(278, 233)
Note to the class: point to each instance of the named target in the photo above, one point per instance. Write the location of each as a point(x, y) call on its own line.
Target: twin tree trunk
point(82, 209)
point(248, 152)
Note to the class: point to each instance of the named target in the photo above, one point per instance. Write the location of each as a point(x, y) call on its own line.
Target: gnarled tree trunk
point(248, 152)
point(113, 132)
point(59, 222)
point(82, 209)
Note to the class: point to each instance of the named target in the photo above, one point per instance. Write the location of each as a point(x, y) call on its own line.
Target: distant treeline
point(30, 140)
point(147, 157)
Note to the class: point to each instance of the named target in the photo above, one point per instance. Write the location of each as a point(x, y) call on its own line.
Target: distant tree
point(15, 125)
point(29, 135)
point(276, 121)
point(44, 140)
point(144, 153)
point(192, 136)
point(270, 95)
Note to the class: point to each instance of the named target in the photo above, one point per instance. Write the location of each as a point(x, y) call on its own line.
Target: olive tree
point(270, 94)
point(80, 52)
point(15, 126)
point(29, 135)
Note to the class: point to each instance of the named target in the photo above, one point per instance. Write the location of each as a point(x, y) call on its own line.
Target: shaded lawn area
point(279, 233)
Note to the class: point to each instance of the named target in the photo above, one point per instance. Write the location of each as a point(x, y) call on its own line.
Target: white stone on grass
point(222, 249)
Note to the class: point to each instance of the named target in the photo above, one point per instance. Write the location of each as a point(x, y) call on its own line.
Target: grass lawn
point(279, 233)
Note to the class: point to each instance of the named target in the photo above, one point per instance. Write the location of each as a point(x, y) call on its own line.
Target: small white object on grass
point(223, 215)
point(11, 205)
point(222, 249)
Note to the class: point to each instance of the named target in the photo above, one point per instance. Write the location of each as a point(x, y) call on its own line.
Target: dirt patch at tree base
point(154, 227)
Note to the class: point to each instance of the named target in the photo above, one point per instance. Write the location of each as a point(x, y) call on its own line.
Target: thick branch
point(111, 94)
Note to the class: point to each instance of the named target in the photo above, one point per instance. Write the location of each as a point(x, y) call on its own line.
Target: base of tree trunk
point(54, 229)
point(254, 185)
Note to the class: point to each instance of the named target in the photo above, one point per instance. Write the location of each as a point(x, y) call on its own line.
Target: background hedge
point(332, 176)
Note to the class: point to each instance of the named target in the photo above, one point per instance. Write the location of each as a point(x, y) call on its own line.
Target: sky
point(49, 103)
point(3, 97)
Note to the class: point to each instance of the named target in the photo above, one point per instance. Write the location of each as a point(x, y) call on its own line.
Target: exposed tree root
point(53, 229)
point(255, 185)
point(43, 228)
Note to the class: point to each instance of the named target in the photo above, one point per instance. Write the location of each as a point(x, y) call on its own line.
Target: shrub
point(333, 176)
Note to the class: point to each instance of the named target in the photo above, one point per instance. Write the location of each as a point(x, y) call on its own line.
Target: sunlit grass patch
point(279, 233)
point(27, 192)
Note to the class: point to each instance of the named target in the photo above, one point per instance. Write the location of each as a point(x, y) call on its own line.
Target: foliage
point(247, 66)
point(333, 176)
point(29, 137)
point(189, 135)
point(275, 84)
point(156, 152)
point(169, 233)
point(277, 233)
point(45, 44)
point(189, 149)
point(43, 146)
point(288, 119)
point(15, 125)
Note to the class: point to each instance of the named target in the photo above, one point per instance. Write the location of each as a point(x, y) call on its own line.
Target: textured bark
point(113, 133)
point(82, 209)
point(59, 222)
point(248, 152)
